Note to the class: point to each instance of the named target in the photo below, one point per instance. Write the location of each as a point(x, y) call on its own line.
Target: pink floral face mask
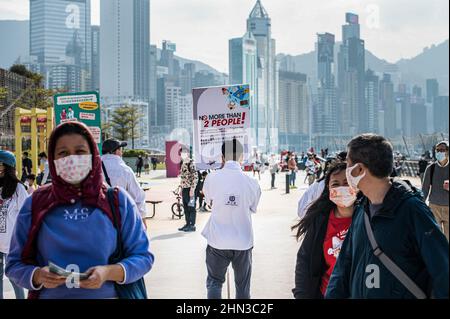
point(74, 168)
point(343, 196)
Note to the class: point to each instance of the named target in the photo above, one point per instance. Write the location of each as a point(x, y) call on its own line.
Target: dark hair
point(42, 154)
point(232, 150)
point(9, 182)
point(32, 177)
point(374, 151)
point(69, 129)
point(25, 153)
point(323, 205)
point(442, 143)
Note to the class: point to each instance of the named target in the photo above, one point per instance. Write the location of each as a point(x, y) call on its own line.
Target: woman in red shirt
point(323, 230)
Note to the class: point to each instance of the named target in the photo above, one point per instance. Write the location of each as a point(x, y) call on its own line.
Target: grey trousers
point(217, 262)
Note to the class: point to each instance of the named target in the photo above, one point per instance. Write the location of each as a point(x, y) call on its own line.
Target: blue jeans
point(217, 262)
point(20, 294)
point(293, 177)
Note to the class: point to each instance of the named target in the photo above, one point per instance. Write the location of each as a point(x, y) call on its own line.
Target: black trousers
point(273, 180)
point(189, 212)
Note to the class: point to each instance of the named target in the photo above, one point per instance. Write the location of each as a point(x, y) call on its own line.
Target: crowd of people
point(363, 232)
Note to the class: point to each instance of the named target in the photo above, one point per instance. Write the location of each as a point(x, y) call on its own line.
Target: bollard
point(288, 175)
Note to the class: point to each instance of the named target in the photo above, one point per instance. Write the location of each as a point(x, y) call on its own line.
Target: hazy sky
point(393, 29)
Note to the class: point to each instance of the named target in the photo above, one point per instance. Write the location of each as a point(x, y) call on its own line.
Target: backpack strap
point(432, 168)
point(113, 198)
point(396, 271)
point(106, 174)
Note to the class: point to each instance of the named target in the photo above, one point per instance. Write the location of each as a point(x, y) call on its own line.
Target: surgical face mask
point(343, 196)
point(441, 156)
point(353, 182)
point(74, 168)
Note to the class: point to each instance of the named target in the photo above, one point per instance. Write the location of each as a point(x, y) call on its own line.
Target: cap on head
point(7, 158)
point(443, 143)
point(111, 145)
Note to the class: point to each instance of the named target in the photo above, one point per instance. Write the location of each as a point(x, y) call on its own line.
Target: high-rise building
point(388, 106)
point(325, 112)
point(95, 58)
point(351, 74)
point(183, 113)
point(172, 103)
point(293, 111)
point(153, 85)
point(260, 26)
point(432, 89)
point(243, 69)
point(372, 100)
point(168, 58)
point(60, 33)
point(440, 114)
point(187, 78)
point(124, 49)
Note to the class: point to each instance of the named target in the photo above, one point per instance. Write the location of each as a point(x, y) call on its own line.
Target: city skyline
point(382, 23)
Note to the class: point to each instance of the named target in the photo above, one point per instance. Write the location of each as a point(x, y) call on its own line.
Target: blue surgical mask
point(441, 156)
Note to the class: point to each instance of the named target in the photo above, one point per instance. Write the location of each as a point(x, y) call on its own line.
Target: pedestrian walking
point(292, 167)
point(394, 248)
point(199, 191)
point(117, 173)
point(229, 233)
point(323, 230)
point(139, 165)
point(29, 184)
point(12, 197)
point(74, 225)
point(435, 178)
point(146, 164)
point(154, 163)
point(274, 168)
point(44, 176)
point(27, 166)
point(188, 184)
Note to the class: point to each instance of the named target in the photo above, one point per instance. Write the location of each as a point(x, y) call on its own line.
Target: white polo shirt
point(235, 196)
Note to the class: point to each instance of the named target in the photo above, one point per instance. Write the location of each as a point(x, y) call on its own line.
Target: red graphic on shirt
point(336, 231)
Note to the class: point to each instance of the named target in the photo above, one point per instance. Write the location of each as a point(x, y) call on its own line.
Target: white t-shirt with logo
point(235, 196)
point(9, 209)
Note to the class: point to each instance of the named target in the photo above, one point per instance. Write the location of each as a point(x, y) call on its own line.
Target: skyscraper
point(371, 92)
point(432, 89)
point(95, 58)
point(243, 69)
point(325, 115)
point(294, 111)
point(351, 73)
point(124, 49)
point(387, 104)
point(60, 33)
point(259, 25)
point(440, 114)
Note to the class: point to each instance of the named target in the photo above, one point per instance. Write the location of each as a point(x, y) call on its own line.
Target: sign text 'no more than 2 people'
point(220, 113)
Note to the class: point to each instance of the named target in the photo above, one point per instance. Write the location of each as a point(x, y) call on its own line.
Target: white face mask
point(343, 196)
point(74, 168)
point(353, 182)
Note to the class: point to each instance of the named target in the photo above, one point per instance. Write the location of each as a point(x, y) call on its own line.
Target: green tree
point(124, 122)
point(134, 117)
point(120, 123)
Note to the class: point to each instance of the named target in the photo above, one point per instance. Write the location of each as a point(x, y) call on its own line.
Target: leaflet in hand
point(55, 269)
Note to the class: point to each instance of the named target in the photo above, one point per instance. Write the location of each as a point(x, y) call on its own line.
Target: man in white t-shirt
point(229, 232)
